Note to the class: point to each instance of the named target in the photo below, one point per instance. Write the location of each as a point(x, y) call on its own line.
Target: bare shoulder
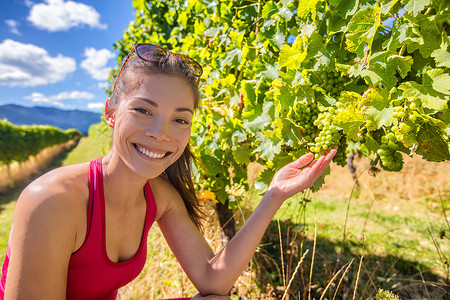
point(166, 195)
point(67, 183)
point(56, 199)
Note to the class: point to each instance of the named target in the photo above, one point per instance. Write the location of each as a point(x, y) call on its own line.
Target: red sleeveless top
point(91, 274)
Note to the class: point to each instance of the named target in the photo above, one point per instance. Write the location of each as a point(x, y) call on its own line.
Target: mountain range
point(63, 119)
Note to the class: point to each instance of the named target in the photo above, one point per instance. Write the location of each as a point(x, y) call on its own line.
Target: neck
point(122, 186)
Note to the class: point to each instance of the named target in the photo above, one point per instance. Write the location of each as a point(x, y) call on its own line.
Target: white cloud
point(96, 61)
point(13, 24)
point(103, 85)
point(96, 106)
point(29, 65)
point(41, 98)
point(28, 3)
point(60, 15)
point(56, 99)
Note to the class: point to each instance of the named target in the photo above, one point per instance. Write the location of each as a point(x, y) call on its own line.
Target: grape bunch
point(333, 82)
point(329, 134)
point(391, 159)
point(406, 115)
point(305, 115)
point(340, 158)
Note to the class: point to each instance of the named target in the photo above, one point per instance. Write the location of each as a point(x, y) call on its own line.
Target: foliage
point(101, 137)
point(18, 143)
point(265, 59)
point(386, 295)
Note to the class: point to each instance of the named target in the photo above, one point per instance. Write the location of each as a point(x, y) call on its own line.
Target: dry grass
point(419, 185)
point(19, 172)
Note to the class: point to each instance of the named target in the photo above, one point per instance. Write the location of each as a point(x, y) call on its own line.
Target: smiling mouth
point(149, 153)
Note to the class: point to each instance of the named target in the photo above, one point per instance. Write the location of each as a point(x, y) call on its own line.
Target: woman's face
point(152, 123)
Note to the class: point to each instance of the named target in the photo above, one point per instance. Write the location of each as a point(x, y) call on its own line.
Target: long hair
point(180, 172)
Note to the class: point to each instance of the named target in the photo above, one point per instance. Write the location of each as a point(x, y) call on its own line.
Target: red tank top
point(91, 274)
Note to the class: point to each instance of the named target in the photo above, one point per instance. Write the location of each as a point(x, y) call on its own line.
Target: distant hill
point(63, 119)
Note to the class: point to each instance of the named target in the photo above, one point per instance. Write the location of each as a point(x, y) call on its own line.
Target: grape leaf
point(442, 58)
point(440, 81)
point(414, 7)
point(350, 120)
point(320, 181)
point(270, 9)
point(361, 30)
point(403, 32)
point(414, 90)
point(430, 34)
point(292, 57)
point(371, 144)
point(242, 154)
point(264, 179)
point(401, 64)
point(306, 7)
point(377, 97)
point(139, 4)
point(381, 117)
point(432, 146)
point(269, 145)
point(212, 164)
point(248, 92)
point(285, 13)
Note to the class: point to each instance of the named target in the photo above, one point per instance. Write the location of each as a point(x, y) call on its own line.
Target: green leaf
point(414, 7)
point(212, 164)
point(320, 181)
point(350, 120)
point(248, 92)
point(292, 57)
point(440, 81)
point(377, 97)
point(270, 9)
point(403, 32)
point(307, 7)
point(361, 30)
point(242, 154)
point(371, 144)
point(442, 58)
point(285, 13)
point(271, 72)
point(269, 145)
point(430, 33)
point(401, 64)
point(345, 8)
point(380, 75)
point(414, 90)
point(432, 145)
point(139, 4)
point(264, 179)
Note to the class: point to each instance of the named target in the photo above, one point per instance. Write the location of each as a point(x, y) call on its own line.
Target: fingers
point(302, 161)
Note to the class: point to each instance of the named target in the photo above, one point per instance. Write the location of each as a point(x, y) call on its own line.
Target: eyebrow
point(153, 103)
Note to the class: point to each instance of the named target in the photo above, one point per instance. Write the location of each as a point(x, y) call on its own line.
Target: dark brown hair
point(180, 172)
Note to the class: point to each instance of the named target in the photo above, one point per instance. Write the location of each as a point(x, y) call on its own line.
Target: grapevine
point(282, 78)
point(19, 142)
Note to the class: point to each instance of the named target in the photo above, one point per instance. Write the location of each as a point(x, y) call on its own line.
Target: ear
point(110, 116)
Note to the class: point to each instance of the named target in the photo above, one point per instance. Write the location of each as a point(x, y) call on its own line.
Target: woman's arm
point(42, 240)
point(216, 274)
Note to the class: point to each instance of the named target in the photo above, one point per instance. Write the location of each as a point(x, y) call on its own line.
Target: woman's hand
point(298, 175)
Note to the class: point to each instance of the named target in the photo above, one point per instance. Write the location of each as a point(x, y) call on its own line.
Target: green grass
point(85, 151)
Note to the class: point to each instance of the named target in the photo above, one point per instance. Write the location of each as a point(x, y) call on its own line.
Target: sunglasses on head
point(153, 53)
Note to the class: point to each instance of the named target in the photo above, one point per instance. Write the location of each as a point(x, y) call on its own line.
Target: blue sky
point(58, 52)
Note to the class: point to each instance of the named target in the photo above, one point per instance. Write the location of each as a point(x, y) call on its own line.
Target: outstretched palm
point(299, 175)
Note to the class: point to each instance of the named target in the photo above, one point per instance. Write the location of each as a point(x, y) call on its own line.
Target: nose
point(159, 130)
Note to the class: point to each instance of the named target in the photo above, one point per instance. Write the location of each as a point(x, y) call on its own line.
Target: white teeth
point(150, 154)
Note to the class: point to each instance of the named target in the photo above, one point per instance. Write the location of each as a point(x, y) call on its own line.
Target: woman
point(79, 232)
